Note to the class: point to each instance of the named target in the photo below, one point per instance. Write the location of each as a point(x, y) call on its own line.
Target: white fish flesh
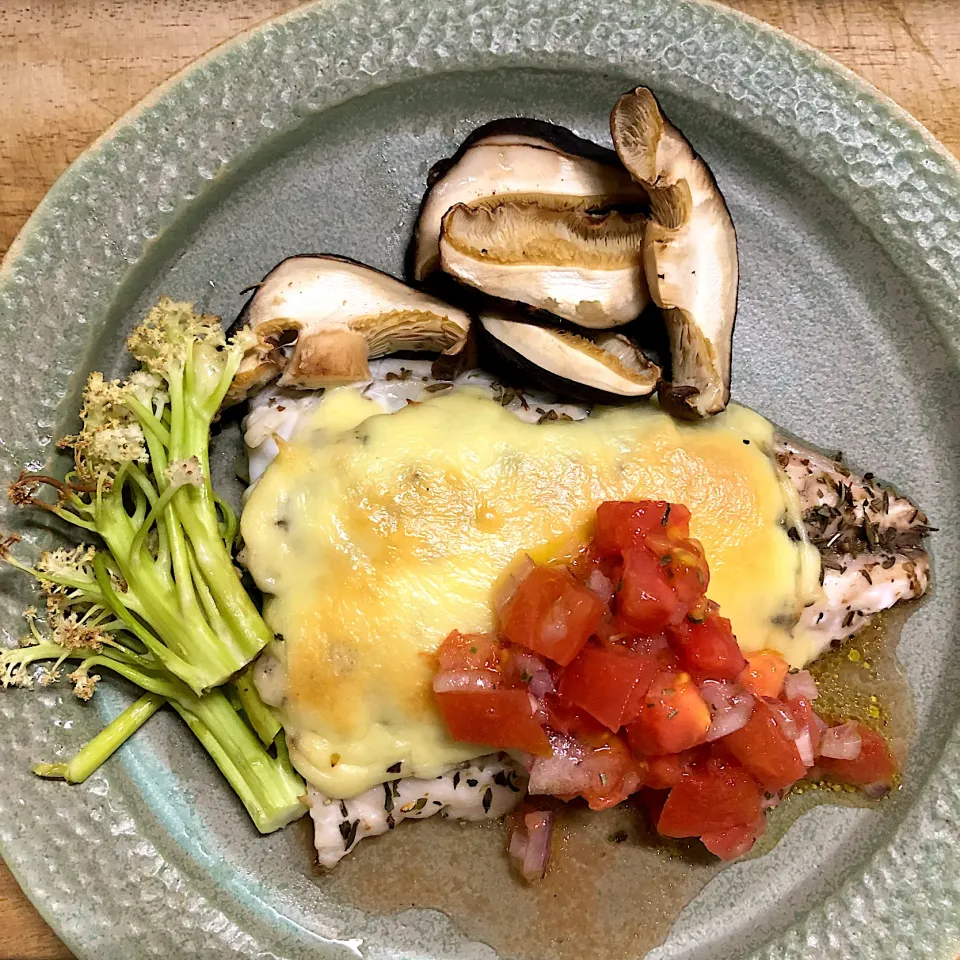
point(488, 787)
point(869, 537)
point(870, 540)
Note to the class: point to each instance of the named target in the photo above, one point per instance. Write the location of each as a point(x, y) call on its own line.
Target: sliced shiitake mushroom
point(336, 314)
point(690, 253)
point(524, 161)
point(602, 368)
point(583, 267)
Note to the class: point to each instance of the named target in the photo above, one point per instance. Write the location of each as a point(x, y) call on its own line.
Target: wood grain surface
point(69, 69)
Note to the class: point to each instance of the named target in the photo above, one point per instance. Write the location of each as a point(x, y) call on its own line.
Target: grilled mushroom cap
point(690, 253)
point(338, 314)
point(604, 368)
point(583, 267)
point(520, 160)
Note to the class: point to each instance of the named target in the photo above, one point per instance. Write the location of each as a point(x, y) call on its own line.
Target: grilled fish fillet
point(870, 540)
point(488, 787)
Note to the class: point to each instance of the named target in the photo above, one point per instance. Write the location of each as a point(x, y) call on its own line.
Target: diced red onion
point(730, 707)
point(730, 720)
point(817, 733)
point(541, 680)
point(842, 742)
point(563, 772)
point(558, 777)
point(784, 719)
point(518, 846)
point(805, 747)
point(601, 585)
point(718, 693)
point(528, 662)
point(878, 790)
point(801, 684)
point(542, 684)
point(451, 680)
point(530, 844)
point(537, 853)
point(509, 586)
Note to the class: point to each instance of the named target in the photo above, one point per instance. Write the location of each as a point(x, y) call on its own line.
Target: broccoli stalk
point(263, 720)
point(162, 603)
point(88, 760)
point(142, 483)
point(84, 622)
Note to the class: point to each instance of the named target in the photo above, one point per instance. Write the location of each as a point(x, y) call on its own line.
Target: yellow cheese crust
point(375, 535)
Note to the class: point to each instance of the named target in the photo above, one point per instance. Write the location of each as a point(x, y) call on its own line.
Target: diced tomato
point(875, 767)
point(733, 842)
point(498, 718)
point(677, 521)
point(689, 574)
point(764, 751)
point(468, 651)
point(619, 633)
point(645, 597)
point(625, 524)
point(684, 564)
point(608, 683)
point(674, 717)
point(623, 775)
point(764, 673)
point(711, 799)
point(652, 801)
point(657, 647)
point(667, 771)
point(621, 708)
point(614, 629)
point(568, 719)
point(708, 649)
point(590, 559)
point(552, 614)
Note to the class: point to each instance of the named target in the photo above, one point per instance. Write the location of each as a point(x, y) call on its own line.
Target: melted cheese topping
point(375, 535)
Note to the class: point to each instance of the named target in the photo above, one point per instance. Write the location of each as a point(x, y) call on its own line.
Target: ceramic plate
point(314, 132)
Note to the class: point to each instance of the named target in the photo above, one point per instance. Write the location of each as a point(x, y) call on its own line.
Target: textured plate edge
point(151, 98)
point(896, 114)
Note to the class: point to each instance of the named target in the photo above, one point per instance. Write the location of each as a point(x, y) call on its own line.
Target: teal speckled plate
point(315, 132)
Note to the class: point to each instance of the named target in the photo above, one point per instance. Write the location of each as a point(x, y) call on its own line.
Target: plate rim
point(823, 60)
point(819, 62)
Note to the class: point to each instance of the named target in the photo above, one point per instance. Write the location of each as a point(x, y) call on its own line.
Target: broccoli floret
point(160, 603)
point(142, 482)
point(110, 435)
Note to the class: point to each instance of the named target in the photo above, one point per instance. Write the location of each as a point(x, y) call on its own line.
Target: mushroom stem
point(326, 358)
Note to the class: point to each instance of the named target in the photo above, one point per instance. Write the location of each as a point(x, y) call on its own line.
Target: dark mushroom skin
point(603, 368)
point(591, 178)
point(690, 254)
point(551, 134)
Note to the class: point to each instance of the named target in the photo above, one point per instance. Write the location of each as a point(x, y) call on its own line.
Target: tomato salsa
point(615, 675)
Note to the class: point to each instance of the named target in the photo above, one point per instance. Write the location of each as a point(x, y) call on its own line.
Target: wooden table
point(68, 70)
